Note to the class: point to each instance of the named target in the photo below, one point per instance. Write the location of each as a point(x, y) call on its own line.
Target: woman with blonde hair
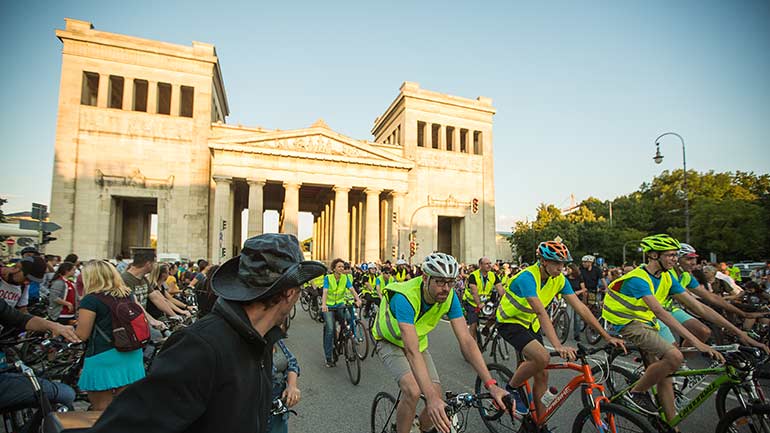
point(168, 304)
point(106, 371)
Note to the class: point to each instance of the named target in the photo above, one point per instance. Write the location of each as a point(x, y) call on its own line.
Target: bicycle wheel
point(293, 311)
point(352, 361)
point(726, 398)
point(592, 335)
point(383, 416)
point(615, 418)
point(497, 420)
point(363, 345)
point(502, 352)
point(561, 325)
point(619, 378)
point(754, 419)
point(304, 301)
point(313, 310)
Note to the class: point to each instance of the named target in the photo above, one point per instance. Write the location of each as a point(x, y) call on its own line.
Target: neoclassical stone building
point(141, 131)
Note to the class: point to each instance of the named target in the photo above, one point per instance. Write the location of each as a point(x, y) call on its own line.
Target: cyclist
point(521, 315)
point(402, 272)
point(688, 257)
point(479, 289)
point(383, 280)
point(370, 292)
point(633, 305)
point(409, 312)
point(334, 287)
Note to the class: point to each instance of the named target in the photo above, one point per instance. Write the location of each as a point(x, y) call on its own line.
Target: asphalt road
point(330, 403)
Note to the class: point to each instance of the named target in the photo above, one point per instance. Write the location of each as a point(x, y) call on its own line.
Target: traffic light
point(412, 248)
point(394, 251)
point(47, 238)
point(475, 206)
point(395, 217)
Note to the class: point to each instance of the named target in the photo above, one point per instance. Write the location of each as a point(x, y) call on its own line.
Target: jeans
point(352, 320)
point(16, 390)
point(329, 324)
point(577, 323)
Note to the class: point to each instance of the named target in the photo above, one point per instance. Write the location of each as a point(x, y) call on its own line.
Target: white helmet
point(440, 265)
point(588, 258)
point(687, 250)
point(400, 262)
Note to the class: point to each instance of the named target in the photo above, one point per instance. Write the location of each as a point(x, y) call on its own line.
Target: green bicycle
point(736, 375)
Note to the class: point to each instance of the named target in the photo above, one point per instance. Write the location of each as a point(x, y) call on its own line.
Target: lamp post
point(658, 158)
point(624, 248)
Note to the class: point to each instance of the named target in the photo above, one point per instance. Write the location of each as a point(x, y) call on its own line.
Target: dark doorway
point(131, 222)
point(449, 235)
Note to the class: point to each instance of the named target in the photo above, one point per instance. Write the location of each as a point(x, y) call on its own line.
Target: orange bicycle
point(597, 415)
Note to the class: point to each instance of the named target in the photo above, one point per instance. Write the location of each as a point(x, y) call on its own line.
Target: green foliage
point(2, 215)
point(729, 216)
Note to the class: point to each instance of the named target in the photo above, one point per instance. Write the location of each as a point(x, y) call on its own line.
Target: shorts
point(518, 336)
point(394, 359)
point(471, 316)
point(648, 339)
point(681, 316)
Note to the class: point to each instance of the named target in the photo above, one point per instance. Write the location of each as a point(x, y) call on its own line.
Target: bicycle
point(383, 420)
point(595, 306)
point(754, 418)
point(346, 345)
point(488, 334)
point(598, 412)
point(735, 376)
point(557, 311)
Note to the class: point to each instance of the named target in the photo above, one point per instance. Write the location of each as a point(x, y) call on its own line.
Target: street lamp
point(658, 158)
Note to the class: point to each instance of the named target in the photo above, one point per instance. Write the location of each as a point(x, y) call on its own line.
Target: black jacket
point(214, 376)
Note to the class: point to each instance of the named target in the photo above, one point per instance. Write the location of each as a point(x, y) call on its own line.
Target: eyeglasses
point(444, 282)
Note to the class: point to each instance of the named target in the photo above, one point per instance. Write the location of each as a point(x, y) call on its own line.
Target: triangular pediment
point(312, 143)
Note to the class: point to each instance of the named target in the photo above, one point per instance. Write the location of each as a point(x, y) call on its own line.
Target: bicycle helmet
point(400, 262)
point(588, 258)
point(440, 265)
point(687, 250)
point(554, 251)
point(661, 242)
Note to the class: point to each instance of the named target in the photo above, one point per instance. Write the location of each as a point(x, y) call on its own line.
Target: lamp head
point(658, 158)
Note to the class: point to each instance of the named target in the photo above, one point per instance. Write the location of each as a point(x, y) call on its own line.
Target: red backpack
point(130, 330)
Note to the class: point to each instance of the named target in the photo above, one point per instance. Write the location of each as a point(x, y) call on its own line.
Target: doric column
point(397, 206)
point(353, 234)
point(442, 137)
point(256, 209)
point(340, 247)
point(176, 93)
point(223, 239)
point(456, 139)
point(152, 97)
point(103, 93)
point(290, 207)
point(372, 230)
point(427, 135)
point(128, 93)
point(327, 228)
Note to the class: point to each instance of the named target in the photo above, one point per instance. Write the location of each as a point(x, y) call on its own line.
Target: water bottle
point(549, 396)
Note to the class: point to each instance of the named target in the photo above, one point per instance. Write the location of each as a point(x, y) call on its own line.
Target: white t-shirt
point(728, 279)
point(15, 296)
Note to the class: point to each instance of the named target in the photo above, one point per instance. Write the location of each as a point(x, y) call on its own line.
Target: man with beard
point(216, 375)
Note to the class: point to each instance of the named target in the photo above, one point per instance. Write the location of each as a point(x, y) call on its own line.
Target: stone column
point(442, 137)
point(314, 250)
point(456, 139)
point(152, 97)
point(222, 240)
point(176, 93)
point(128, 93)
point(427, 135)
point(327, 228)
point(372, 230)
point(290, 207)
point(256, 208)
point(103, 92)
point(397, 198)
point(353, 233)
point(340, 245)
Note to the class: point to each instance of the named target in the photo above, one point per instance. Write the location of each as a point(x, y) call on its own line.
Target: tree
point(2, 215)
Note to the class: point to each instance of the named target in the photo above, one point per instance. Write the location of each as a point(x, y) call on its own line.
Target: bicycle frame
point(584, 380)
point(725, 375)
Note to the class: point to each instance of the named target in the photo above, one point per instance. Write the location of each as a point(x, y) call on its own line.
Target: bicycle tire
point(562, 325)
point(304, 302)
point(502, 352)
point(739, 415)
point(293, 311)
point(620, 380)
point(592, 335)
point(383, 415)
point(497, 420)
point(313, 311)
point(352, 361)
point(762, 377)
point(363, 346)
point(612, 413)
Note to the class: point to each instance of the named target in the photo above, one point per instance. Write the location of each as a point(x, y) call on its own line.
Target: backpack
point(130, 330)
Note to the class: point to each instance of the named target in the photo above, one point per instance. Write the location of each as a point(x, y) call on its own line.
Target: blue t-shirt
point(404, 313)
point(693, 284)
point(638, 288)
point(524, 287)
point(348, 285)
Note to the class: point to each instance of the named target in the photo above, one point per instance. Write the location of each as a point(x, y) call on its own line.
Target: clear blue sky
point(581, 88)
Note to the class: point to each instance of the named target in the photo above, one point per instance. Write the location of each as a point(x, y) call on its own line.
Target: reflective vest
point(516, 309)
point(401, 275)
point(386, 326)
point(506, 280)
point(318, 282)
point(336, 292)
point(620, 309)
point(684, 279)
point(372, 280)
point(381, 281)
point(484, 290)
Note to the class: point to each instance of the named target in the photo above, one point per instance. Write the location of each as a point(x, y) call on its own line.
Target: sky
point(581, 88)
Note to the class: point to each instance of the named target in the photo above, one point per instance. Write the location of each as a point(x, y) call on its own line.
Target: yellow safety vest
point(381, 281)
point(386, 326)
point(516, 309)
point(318, 281)
point(484, 290)
point(337, 289)
point(372, 279)
point(620, 309)
point(401, 275)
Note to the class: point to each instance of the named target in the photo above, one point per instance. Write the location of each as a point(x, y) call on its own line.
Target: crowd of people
point(237, 346)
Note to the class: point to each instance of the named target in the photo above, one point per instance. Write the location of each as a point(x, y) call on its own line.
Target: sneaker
point(360, 339)
point(641, 401)
point(330, 364)
point(520, 407)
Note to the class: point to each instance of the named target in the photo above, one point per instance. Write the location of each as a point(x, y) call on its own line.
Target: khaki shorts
point(647, 339)
point(394, 359)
